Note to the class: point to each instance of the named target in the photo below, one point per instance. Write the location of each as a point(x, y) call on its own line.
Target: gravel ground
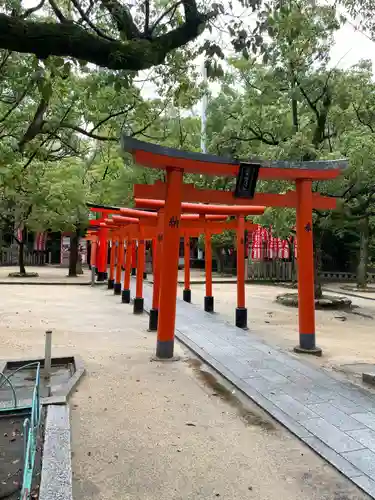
point(146, 430)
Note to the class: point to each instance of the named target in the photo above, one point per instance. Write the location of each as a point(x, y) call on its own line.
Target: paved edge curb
point(56, 479)
point(349, 294)
point(343, 466)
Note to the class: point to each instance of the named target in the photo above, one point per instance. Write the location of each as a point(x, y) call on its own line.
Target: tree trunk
point(363, 253)
point(294, 107)
point(219, 261)
point(73, 255)
point(21, 256)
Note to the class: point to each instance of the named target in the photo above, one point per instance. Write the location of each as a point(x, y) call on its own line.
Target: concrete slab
point(56, 479)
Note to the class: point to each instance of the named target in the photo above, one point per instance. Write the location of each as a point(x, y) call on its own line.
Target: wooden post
point(111, 279)
point(306, 299)
point(120, 260)
point(208, 300)
point(187, 291)
point(169, 265)
point(241, 311)
point(125, 295)
point(138, 299)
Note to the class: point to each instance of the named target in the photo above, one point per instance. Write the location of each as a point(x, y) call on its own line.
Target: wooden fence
point(9, 257)
point(276, 270)
point(273, 270)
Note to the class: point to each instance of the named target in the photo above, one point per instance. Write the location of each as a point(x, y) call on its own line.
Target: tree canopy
point(280, 97)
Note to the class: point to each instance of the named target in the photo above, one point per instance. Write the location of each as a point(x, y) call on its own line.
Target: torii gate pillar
point(169, 265)
point(306, 295)
point(102, 255)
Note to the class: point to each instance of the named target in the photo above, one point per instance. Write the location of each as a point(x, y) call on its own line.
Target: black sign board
point(247, 180)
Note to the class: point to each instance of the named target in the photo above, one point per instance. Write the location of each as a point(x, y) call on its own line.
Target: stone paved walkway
point(335, 418)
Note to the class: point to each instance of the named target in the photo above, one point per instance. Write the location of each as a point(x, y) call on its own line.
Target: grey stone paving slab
point(346, 405)
point(364, 460)
point(364, 436)
point(293, 408)
point(262, 385)
point(337, 460)
point(366, 484)
point(336, 417)
point(320, 391)
point(301, 394)
point(338, 440)
point(239, 369)
point(366, 418)
point(272, 376)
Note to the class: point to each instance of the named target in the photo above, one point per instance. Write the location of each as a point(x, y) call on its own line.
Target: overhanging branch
point(71, 40)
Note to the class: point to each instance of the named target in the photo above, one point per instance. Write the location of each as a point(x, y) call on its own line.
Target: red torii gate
point(176, 162)
point(239, 225)
point(140, 228)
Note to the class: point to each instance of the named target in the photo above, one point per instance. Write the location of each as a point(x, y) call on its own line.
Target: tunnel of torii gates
point(174, 192)
point(149, 226)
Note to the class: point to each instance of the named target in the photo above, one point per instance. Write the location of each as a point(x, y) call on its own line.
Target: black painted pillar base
point(134, 271)
point(125, 297)
point(164, 349)
point(144, 276)
point(241, 317)
point(186, 295)
point(138, 305)
point(101, 276)
point(307, 345)
point(105, 276)
point(209, 304)
point(111, 284)
point(153, 321)
point(117, 289)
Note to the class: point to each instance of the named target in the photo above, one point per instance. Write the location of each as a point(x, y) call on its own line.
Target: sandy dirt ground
point(147, 430)
point(344, 337)
point(47, 274)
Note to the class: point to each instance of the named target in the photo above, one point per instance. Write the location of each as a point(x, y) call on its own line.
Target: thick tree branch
point(123, 19)
point(60, 16)
point(30, 11)
point(361, 120)
point(16, 104)
point(87, 133)
point(86, 18)
point(171, 9)
point(308, 100)
point(112, 115)
point(36, 124)
point(147, 17)
point(67, 39)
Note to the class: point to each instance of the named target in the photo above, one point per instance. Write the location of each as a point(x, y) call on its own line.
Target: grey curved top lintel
point(131, 145)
